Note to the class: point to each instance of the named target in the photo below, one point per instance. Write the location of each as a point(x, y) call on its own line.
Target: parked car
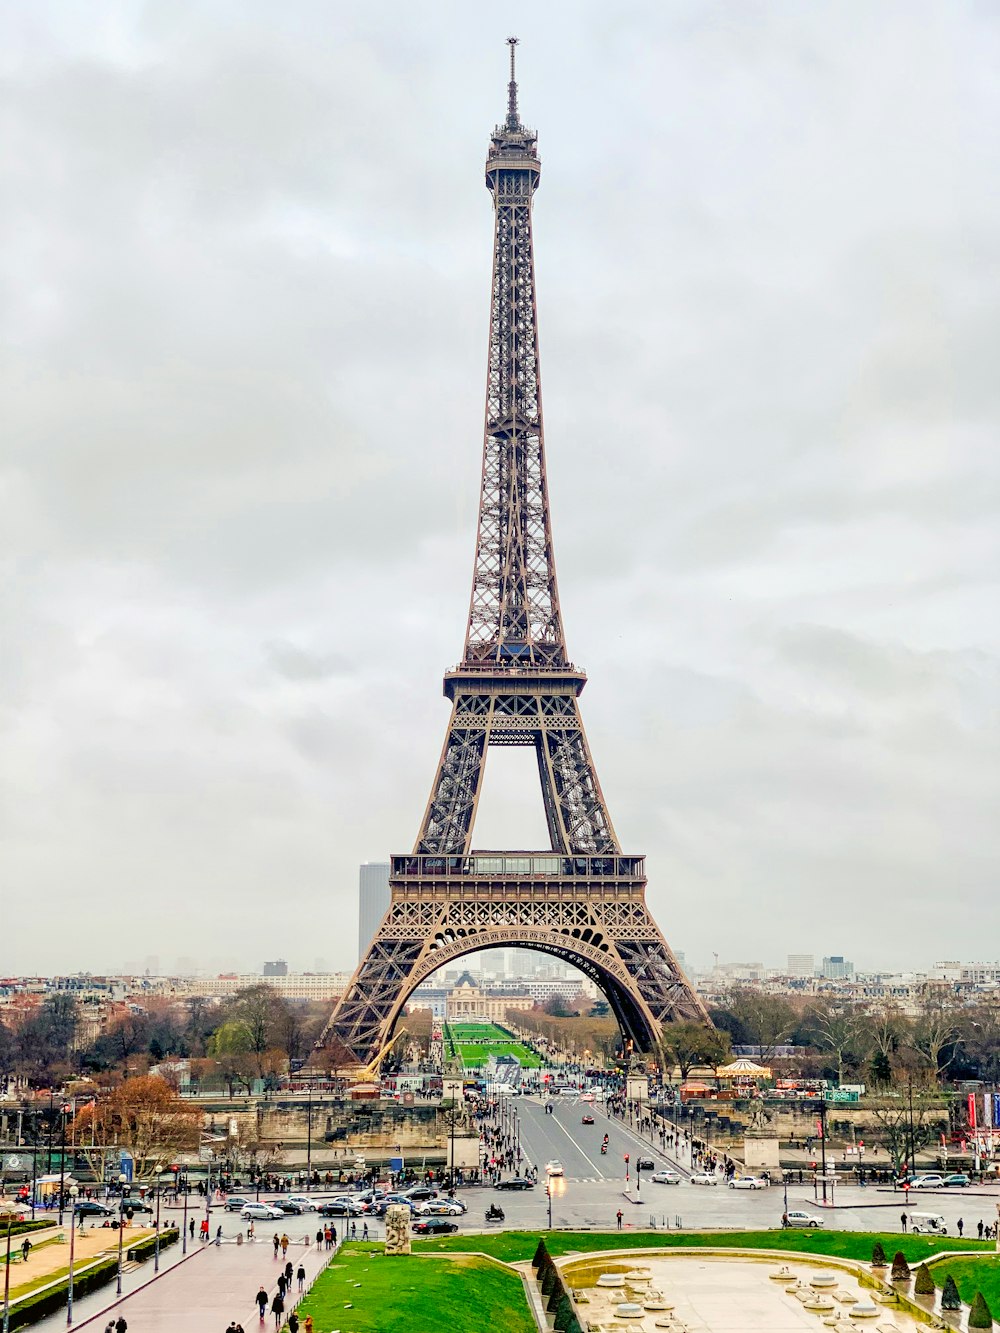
point(645, 1164)
point(434, 1226)
point(261, 1212)
point(747, 1183)
point(91, 1208)
point(930, 1181)
point(421, 1193)
point(704, 1178)
point(666, 1178)
point(554, 1168)
point(797, 1218)
point(959, 1178)
point(515, 1183)
point(441, 1208)
point(338, 1208)
point(235, 1204)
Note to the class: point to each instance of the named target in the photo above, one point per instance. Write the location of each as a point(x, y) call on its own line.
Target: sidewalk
point(211, 1286)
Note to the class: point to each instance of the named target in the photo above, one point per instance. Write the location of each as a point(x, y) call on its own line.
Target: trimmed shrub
point(557, 1294)
point(548, 1280)
point(924, 1285)
point(900, 1268)
point(979, 1315)
point(145, 1249)
point(950, 1299)
point(878, 1255)
point(564, 1313)
point(540, 1253)
point(32, 1308)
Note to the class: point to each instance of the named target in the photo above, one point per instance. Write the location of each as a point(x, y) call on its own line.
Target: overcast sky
point(244, 267)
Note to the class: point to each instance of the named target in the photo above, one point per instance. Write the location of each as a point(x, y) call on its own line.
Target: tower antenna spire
point(512, 117)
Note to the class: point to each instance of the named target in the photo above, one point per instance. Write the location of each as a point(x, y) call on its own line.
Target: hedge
point(19, 1228)
point(144, 1248)
point(36, 1306)
point(553, 1287)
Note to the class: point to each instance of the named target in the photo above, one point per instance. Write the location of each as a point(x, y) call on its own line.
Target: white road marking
point(577, 1146)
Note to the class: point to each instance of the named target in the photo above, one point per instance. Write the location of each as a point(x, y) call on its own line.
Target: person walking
point(333, 1236)
point(319, 1238)
point(364, 1231)
point(979, 1228)
point(288, 1275)
point(300, 1277)
point(618, 1215)
point(276, 1242)
point(278, 1308)
point(25, 1249)
point(284, 1244)
point(191, 1228)
point(282, 1283)
point(293, 1323)
point(960, 1224)
point(121, 1324)
point(902, 1222)
point(261, 1299)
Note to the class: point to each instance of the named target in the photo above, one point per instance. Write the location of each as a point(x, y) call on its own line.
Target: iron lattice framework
point(582, 900)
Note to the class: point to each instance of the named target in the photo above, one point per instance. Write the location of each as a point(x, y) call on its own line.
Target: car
point(338, 1208)
point(515, 1183)
point(289, 1207)
point(554, 1168)
point(704, 1178)
point(91, 1208)
point(421, 1193)
point(261, 1212)
point(930, 1181)
point(305, 1205)
point(586, 1096)
point(666, 1178)
point(747, 1183)
point(137, 1206)
point(587, 1120)
point(959, 1178)
point(645, 1164)
point(441, 1208)
point(797, 1218)
point(434, 1226)
point(234, 1204)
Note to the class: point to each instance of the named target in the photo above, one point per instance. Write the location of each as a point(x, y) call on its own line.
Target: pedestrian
point(25, 1249)
point(354, 1231)
point(261, 1299)
point(979, 1228)
point(278, 1308)
point(288, 1276)
point(301, 1277)
point(319, 1238)
point(203, 1229)
point(364, 1232)
point(284, 1244)
point(276, 1242)
point(293, 1323)
point(618, 1215)
point(218, 1235)
point(282, 1283)
point(191, 1228)
point(902, 1221)
point(333, 1235)
point(120, 1324)
point(309, 1324)
point(960, 1224)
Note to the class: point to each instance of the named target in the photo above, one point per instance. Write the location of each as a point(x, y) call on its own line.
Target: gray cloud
point(244, 261)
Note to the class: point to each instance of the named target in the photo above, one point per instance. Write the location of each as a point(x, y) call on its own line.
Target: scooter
point(494, 1214)
point(604, 1150)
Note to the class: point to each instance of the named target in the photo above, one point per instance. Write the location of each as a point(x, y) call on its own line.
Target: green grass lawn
point(427, 1295)
point(512, 1246)
point(474, 1043)
point(972, 1275)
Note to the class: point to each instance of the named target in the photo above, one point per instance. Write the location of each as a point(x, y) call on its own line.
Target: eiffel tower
point(581, 900)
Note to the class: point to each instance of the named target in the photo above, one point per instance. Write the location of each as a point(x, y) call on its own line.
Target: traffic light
point(626, 1157)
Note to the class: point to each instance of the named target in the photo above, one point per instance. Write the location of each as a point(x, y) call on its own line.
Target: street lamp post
point(122, 1182)
point(309, 1140)
point(548, 1195)
point(62, 1162)
point(73, 1194)
point(9, 1210)
point(156, 1243)
point(184, 1227)
point(822, 1141)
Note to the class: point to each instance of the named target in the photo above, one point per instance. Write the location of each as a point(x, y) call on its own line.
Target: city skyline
point(781, 498)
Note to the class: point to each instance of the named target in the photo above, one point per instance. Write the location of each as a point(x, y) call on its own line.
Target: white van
point(928, 1224)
